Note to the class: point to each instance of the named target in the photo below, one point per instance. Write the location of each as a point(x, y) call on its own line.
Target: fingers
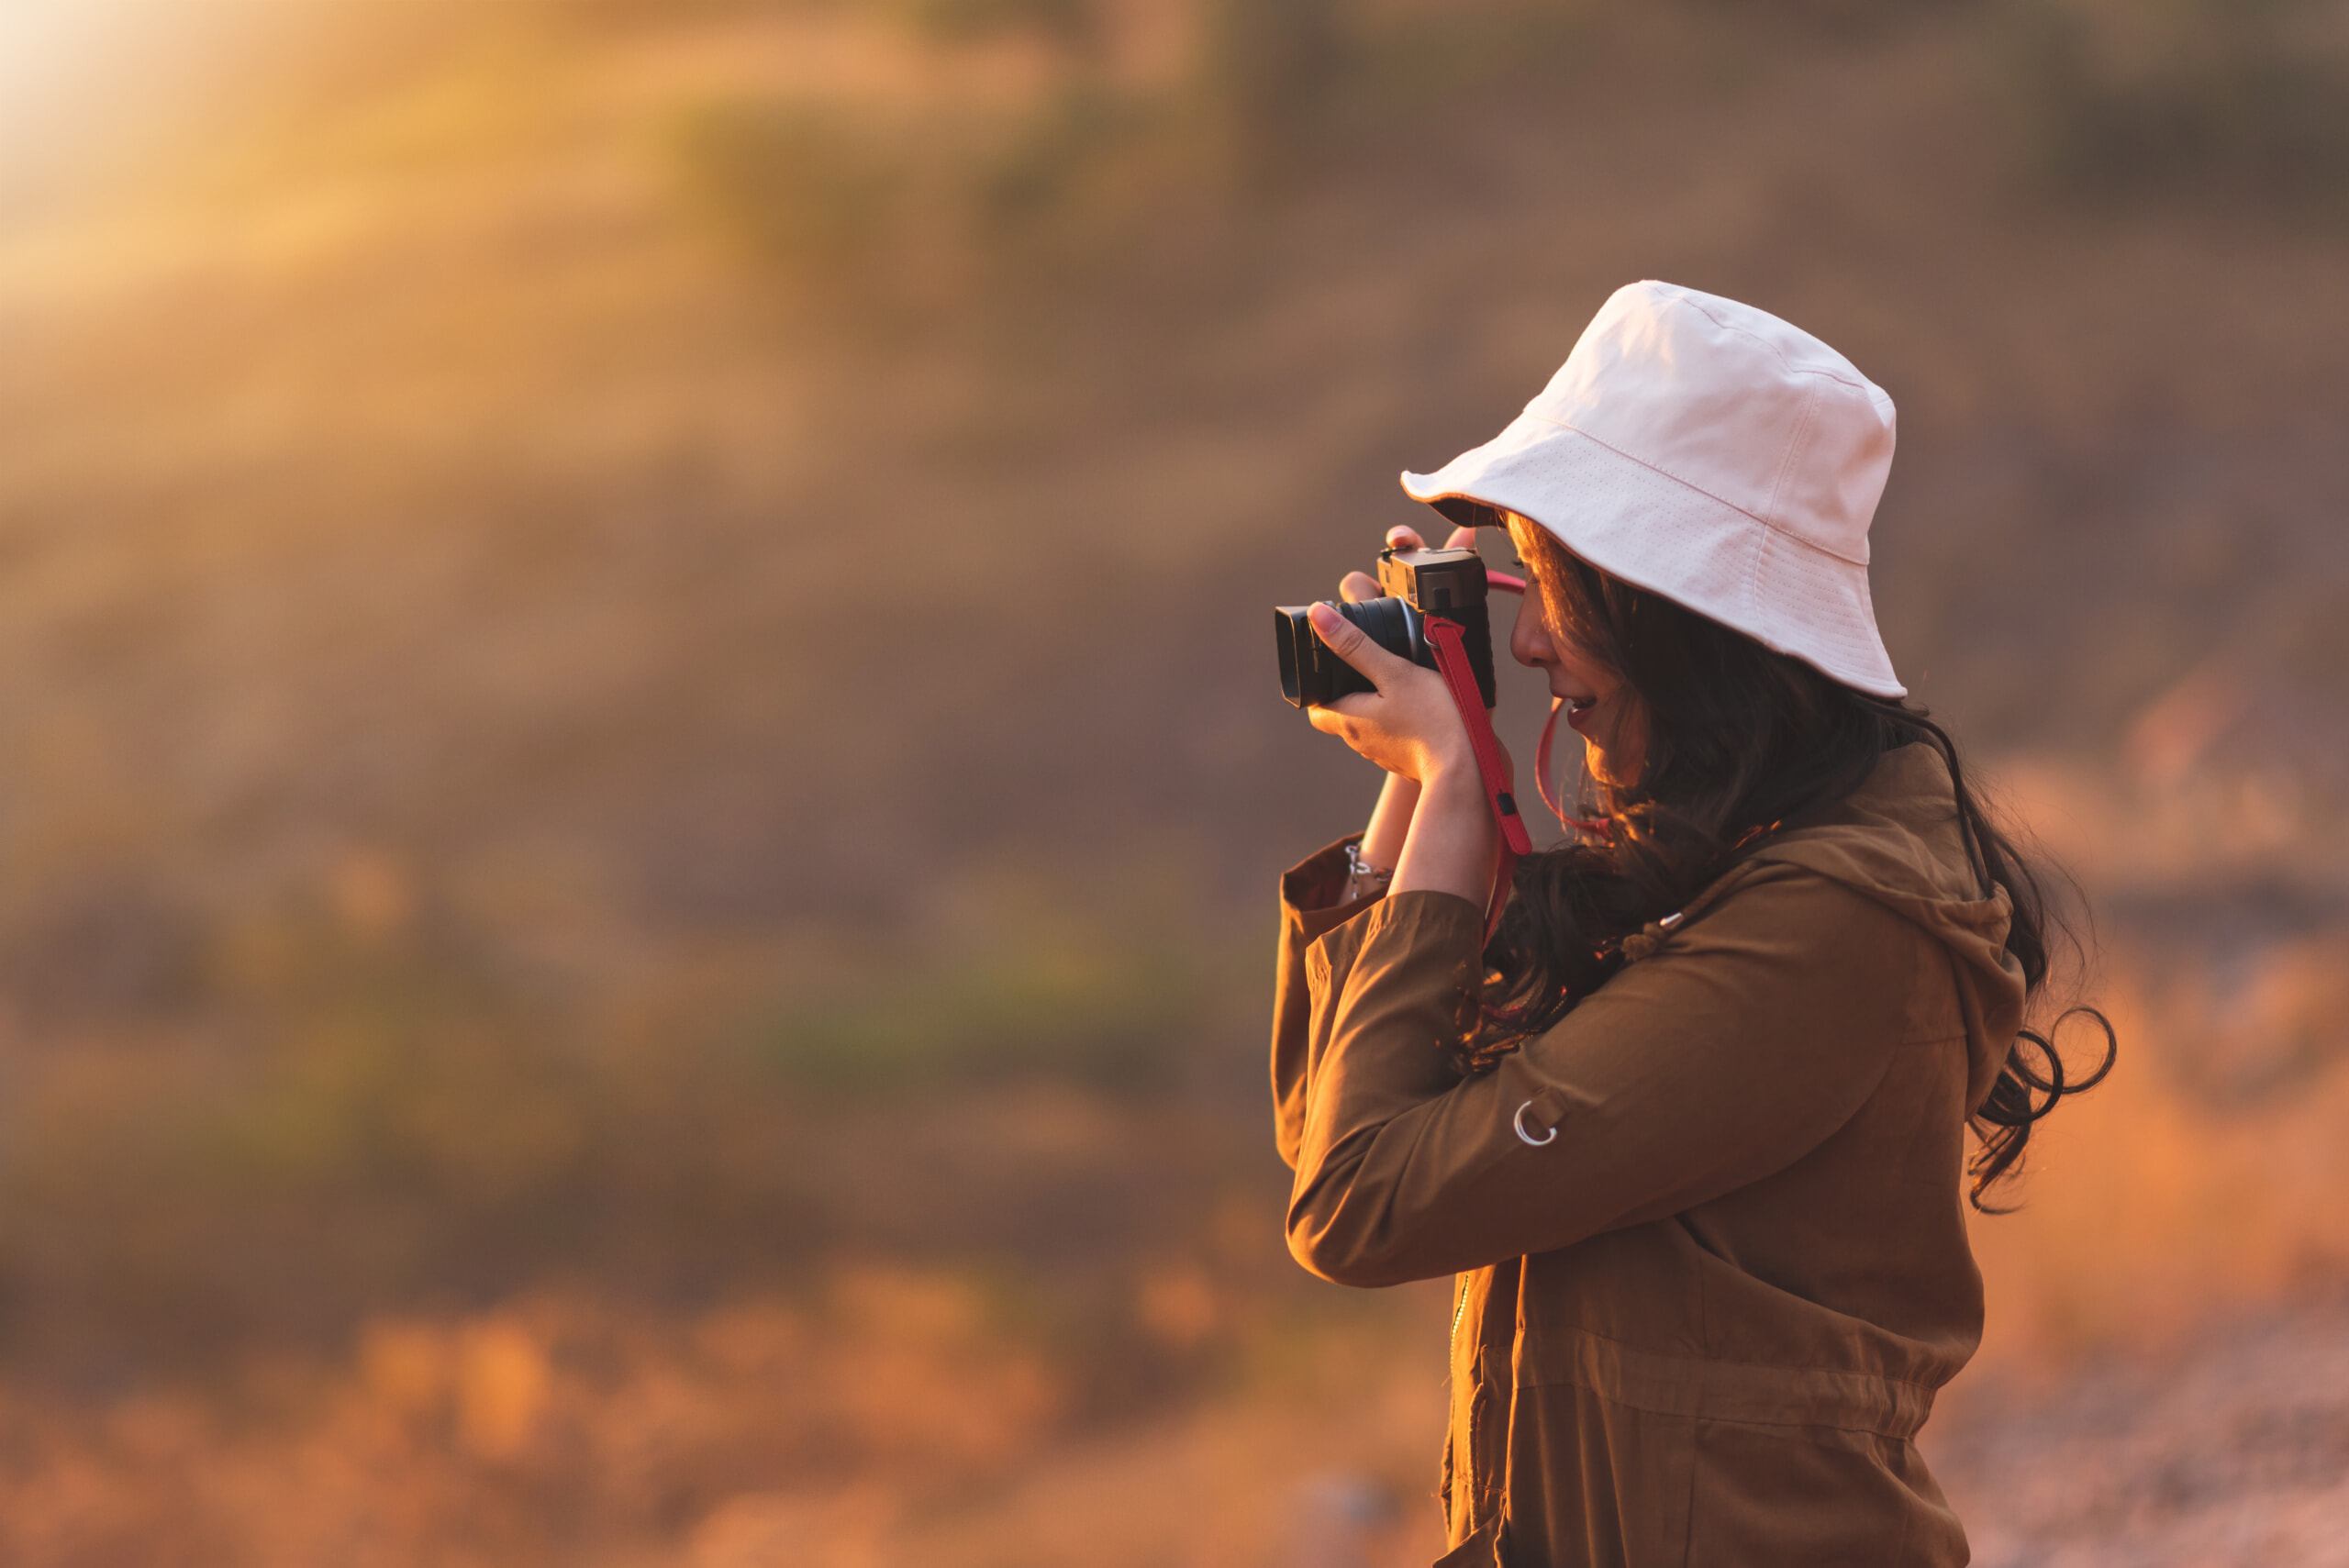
point(1327, 718)
point(1360, 585)
point(1349, 642)
point(1348, 718)
point(1402, 535)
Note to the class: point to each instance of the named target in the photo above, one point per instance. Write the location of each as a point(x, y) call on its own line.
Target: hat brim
point(1670, 538)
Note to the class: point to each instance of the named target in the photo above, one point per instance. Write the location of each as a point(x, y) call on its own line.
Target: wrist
point(1364, 877)
point(1453, 841)
point(1382, 842)
point(1452, 786)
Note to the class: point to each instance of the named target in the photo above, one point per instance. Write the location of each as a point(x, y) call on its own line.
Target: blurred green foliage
point(2246, 98)
point(1273, 66)
point(796, 182)
point(1072, 23)
point(1110, 1019)
point(346, 1122)
point(1095, 167)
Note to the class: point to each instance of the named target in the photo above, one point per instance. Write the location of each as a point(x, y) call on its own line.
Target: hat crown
point(1711, 452)
point(1733, 402)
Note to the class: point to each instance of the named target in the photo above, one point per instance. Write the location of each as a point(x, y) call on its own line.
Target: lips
point(1578, 712)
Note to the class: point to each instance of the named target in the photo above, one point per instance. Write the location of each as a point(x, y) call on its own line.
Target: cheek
point(1529, 636)
point(1585, 674)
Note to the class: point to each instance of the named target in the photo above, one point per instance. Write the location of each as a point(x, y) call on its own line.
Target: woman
point(1690, 1130)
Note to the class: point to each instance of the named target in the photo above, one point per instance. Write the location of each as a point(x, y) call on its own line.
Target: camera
point(1419, 584)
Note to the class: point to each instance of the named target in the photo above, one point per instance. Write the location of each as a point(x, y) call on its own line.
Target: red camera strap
point(1509, 585)
point(1460, 677)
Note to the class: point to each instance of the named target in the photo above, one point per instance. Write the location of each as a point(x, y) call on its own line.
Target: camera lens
point(1294, 634)
point(1311, 674)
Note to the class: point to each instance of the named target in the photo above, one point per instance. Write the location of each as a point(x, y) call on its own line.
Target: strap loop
point(1452, 663)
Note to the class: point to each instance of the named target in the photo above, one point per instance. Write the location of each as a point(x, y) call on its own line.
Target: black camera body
point(1419, 584)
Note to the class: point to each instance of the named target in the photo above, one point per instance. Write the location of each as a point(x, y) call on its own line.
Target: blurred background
point(641, 779)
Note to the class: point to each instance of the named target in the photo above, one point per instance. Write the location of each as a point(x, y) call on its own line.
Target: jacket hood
point(1896, 840)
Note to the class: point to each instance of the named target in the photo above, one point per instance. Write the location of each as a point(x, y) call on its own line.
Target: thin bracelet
point(1362, 877)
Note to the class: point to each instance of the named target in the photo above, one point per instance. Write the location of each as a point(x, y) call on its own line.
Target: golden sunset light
point(640, 791)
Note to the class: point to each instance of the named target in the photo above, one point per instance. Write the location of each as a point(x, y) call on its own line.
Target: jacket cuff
point(1440, 930)
point(1312, 891)
point(1423, 922)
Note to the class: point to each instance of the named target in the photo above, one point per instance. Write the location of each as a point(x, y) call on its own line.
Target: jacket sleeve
point(1754, 1032)
point(1311, 909)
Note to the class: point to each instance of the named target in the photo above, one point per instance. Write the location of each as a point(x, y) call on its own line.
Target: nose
point(1529, 637)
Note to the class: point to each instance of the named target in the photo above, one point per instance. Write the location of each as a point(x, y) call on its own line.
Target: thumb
point(1351, 643)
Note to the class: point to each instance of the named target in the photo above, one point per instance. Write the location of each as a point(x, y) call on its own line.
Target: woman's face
point(1599, 704)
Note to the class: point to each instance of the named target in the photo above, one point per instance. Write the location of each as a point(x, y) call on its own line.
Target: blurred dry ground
point(640, 779)
point(2233, 1448)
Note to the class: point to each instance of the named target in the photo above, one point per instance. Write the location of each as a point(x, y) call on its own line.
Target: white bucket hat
point(1711, 453)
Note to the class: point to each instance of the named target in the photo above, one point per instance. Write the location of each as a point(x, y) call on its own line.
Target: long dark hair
point(1741, 741)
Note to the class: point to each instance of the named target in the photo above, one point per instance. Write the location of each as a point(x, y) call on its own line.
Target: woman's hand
point(1382, 842)
point(1410, 726)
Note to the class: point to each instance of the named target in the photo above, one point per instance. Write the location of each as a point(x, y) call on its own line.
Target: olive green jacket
point(1709, 1230)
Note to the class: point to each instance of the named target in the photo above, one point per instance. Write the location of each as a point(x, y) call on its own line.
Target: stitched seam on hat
point(1770, 507)
point(1667, 474)
point(1861, 384)
point(1794, 444)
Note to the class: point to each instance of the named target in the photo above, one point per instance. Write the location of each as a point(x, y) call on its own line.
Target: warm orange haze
point(640, 779)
